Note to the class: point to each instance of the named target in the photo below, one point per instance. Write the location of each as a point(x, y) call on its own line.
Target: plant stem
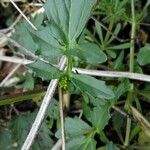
point(131, 69)
point(133, 30)
point(69, 65)
point(128, 129)
point(62, 119)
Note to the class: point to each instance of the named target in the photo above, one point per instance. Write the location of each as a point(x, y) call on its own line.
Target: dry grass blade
point(31, 24)
point(145, 125)
point(113, 74)
point(41, 114)
point(10, 74)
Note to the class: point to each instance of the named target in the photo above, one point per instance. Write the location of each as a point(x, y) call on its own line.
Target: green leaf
point(53, 110)
point(23, 37)
point(5, 139)
point(92, 86)
point(144, 55)
point(90, 53)
point(115, 33)
point(111, 53)
point(83, 51)
point(44, 70)
point(20, 126)
point(76, 127)
point(70, 15)
point(118, 124)
point(123, 87)
point(99, 30)
point(28, 83)
point(50, 34)
point(118, 63)
point(120, 46)
point(81, 143)
point(111, 146)
point(100, 117)
point(49, 41)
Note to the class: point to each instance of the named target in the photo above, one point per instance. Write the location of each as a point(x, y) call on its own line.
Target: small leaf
point(144, 55)
point(99, 30)
point(111, 53)
point(100, 117)
point(92, 86)
point(44, 70)
point(28, 84)
point(118, 63)
point(120, 46)
point(115, 33)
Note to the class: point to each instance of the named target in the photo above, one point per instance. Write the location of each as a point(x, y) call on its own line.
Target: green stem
point(21, 97)
point(133, 30)
point(128, 129)
point(66, 94)
point(69, 66)
point(131, 69)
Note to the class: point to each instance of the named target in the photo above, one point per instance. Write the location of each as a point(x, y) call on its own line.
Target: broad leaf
point(20, 126)
point(144, 55)
point(74, 127)
point(49, 40)
point(70, 15)
point(92, 86)
point(100, 117)
point(23, 37)
point(89, 52)
point(44, 70)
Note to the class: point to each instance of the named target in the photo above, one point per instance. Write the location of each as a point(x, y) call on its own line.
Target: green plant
point(103, 107)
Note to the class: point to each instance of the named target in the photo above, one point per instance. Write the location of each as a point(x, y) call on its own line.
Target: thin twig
point(62, 119)
point(30, 23)
point(41, 114)
point(10, 74)
point(17, 20)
